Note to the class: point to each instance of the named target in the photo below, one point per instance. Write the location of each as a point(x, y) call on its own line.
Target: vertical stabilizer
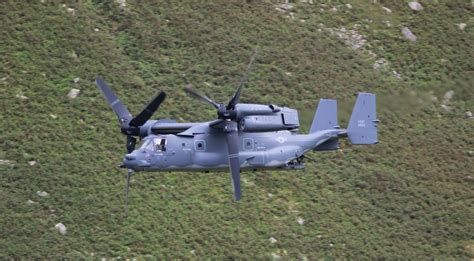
point(362, 127)
point(326, 118)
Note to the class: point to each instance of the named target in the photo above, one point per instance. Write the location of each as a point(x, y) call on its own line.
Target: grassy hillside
point(410, 196)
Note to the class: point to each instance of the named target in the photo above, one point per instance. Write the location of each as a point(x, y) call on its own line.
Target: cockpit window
point(156, 144)
point(146, 144)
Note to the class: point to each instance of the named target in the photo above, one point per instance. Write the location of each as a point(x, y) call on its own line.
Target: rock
point(286, 7)
point(73, 54)
point(193, 252)
point(30, 202)
point(396, 74)
point(54, 116)
point(408, 34)
point(270, 195)
point(21, 96)
point(275, 256)
point(71, 11)
point(351, 37)
point(331, 244)
point(462, 26)
point(76, 80)
point(319, 236)
point(380, 63)
point(334, 9)
point(96, 29)
point(73, 93)
point(42, 194)
point(349, 6)
point(6, 162)
point(446, 108)
point(415, 6)
point(32, 163)
point(448, 96)
point(273, 240)
point(468, 114)
point(61, 228)
point(388, 10)
point(122, 3)
point(300, 221)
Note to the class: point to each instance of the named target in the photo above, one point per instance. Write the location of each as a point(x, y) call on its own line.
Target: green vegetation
point(409, 197)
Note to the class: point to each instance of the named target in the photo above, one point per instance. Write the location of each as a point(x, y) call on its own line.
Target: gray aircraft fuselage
point(206, 150)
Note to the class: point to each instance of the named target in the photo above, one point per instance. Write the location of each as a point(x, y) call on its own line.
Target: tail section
point(326, 118)
point(362, 127)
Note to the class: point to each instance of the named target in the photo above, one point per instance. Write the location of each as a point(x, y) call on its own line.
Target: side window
point(200, 145)
point(160, 144)
point(248, 144)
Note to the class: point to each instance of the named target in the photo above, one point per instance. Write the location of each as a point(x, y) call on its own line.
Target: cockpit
point(157, 144)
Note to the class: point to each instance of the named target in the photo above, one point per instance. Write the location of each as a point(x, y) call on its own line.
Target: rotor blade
point(146, 113)
point(127, 188)
point(235, 99)
point(191, 91)
point(122, 113)
point(234, 164)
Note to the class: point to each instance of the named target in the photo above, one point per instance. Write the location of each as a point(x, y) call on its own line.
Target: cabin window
point(200, 145)
point(160, 144)
point(248, 144)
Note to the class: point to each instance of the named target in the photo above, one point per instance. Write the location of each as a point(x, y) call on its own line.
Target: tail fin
point(326, 118)
point(362, 127)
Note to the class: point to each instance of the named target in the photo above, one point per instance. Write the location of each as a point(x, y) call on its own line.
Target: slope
point(409, 196)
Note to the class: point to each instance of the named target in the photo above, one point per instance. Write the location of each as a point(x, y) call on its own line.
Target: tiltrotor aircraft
point(243, 137)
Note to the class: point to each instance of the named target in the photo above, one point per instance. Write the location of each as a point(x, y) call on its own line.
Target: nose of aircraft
point(135, 160)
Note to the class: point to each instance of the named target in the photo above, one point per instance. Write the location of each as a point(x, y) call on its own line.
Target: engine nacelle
point(245, 109)
point(283, 119)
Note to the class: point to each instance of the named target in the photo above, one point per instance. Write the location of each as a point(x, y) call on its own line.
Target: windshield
point(156, 144)
point(146, 144)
